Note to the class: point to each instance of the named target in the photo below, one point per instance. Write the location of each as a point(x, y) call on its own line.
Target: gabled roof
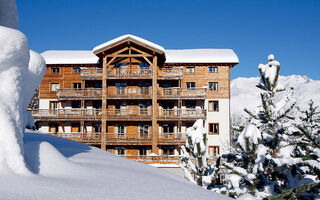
point(69, 57)
point(201, 56)
point(128, 37)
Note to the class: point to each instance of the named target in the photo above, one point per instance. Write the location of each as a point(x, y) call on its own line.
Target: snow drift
point(21, 71)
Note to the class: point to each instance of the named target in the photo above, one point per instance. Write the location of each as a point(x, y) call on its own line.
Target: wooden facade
point(134, 102)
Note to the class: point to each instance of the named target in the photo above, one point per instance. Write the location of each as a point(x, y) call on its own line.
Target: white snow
point(21, 71)
point(172, 56)
point(69, 57)
point(100, 47)
point(245, 94)
point(201, 56)
point(252, 133)
point(66, 169)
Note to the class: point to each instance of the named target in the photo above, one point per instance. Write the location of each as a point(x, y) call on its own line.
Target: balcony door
point(121, 89)
point(144, 131)
point(120, 130)
point(121, 68)
point(144, 68)
point(144, 108)
point(121, 108)
point(144, 88)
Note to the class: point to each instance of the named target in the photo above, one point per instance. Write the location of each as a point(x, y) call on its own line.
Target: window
point(213, 106)
point(76, 85)
point(168, 151)
point(190, 70)
point(120, 151)
point(54, 105)
point(191, 104)
point(214, 151)
point(55, 70)
point(191, 85)
point(215, 86)
point(210, 85)
point(213, 129)
point(144, 88)
point(213, 69)
point(143, 151)
point(144, 131)
point(54, 87)
point(76, 70)
point(120, 129)
point(168, 128)
point(76, 104)
point(53, 128)
point(75, 128)
point(121, 88)
point(144, 68)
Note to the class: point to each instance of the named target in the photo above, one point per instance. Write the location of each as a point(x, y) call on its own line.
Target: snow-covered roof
point(133, 38)
point(201, 56)
point(69, 57)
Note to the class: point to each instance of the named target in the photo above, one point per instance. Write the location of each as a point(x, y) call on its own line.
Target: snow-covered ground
point(245, 94)
point(65, 169)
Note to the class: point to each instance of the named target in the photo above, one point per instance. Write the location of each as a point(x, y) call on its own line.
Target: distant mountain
point(245, 94)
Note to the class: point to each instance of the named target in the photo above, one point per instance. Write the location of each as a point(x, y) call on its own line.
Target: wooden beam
point(118, 52)
point(155, 129)
point(104, 103)
point(142, 52)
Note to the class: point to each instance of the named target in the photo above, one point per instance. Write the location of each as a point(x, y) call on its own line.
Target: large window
point(76, 70)
point(168, 151)
point(76, 104)
point(213, 106)
point(120, 129)
point(76, 85)
point(144, 68)
point(121, 88)
point(191, 85)
point(120, 151)
point(215, 86)
point(54, 87)
point(213, 129)
point(144, 131)
point(54, 105)
point(55, 70)
point(190, 70)
point(144, 88)
point(214, 151)
point(213, 69)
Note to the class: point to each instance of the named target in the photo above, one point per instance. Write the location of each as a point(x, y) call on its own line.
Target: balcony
point(133, 114)
point(74, 94)
point(182, 93)
point(168, 73)
point(67, 114)
point(129, 73)
point(91, 74)
point(87, 138)
point(182, 114)
point(130, 93)
point(128, 139)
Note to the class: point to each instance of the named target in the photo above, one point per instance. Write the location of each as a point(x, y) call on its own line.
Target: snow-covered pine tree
point(259, 165)
point(195, 154)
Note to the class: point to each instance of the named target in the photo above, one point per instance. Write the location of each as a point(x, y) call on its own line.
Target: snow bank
point(21, 71)
point(92, 174)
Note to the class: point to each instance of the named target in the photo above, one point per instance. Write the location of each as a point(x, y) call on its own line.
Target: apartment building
point(134, 98)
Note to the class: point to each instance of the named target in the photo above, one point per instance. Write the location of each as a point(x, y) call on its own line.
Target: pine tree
point(195, 154)
point(259, 165)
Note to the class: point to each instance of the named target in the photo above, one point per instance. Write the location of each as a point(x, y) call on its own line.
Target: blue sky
point(289, 29)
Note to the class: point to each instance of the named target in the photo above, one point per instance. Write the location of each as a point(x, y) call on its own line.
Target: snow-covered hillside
point(245, 94)
point(65, 169)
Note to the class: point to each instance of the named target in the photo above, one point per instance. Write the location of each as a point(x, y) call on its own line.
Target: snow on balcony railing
point(193, 93)
point(87, 93)
point(125, 92)
point(182, 113)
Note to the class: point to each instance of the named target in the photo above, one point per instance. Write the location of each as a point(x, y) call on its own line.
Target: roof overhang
point(128, 38)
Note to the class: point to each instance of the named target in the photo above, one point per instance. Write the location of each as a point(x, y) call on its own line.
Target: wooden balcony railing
point(170, 73)
point(129, 113)
point(94, 93)
point(87, 138)
point(187, 113)
point(183, 93)
point(130, 93)
point(75, 113)
point(91, 73)
point(129, 73)
point(162, 159)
